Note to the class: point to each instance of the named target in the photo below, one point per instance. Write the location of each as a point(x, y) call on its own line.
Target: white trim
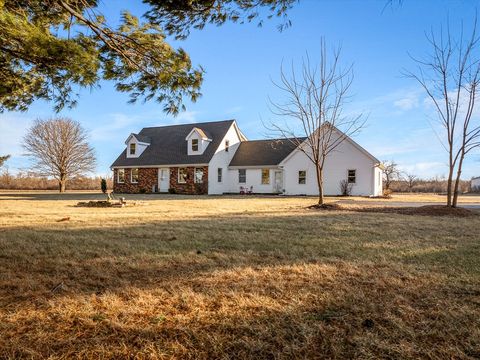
point(195, 129)
point(276, 167)
point(154, 166)
point(240, 135)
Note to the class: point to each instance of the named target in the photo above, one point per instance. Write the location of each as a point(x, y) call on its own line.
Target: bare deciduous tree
point(391, 172)
point(60, 149)
point(3, 159)
point(313, 109)
point(411, 180)
point(450, 76)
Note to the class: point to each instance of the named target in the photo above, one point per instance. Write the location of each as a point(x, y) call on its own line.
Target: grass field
point(234, 277)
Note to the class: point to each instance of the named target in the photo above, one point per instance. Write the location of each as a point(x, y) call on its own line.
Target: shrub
point(172, 191)
point(387, 193)
point(142, 191)
point(345, 188)
point(103, 185)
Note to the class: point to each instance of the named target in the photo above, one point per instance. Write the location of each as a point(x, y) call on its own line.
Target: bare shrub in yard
point(345, 188)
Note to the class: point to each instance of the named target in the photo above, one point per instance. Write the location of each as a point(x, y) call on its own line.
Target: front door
point(163, 179)
point(279, 181)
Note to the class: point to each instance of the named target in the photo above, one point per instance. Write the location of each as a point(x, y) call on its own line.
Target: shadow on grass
point(240, 287)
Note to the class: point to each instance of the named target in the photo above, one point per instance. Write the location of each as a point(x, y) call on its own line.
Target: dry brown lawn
point(233, 277)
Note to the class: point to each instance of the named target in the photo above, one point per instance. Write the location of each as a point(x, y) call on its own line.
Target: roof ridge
point(286, 139)
point(191, 124)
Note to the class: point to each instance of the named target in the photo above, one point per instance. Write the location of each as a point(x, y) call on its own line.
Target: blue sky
point(242, 60)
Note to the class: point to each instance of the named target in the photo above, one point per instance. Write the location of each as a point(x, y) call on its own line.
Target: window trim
point(134, 148)
point(131, 176)
point(197, 143)
point(118, 176)
point(304, 177)
point(354, 176)
point(219, 175)
point(268, 176)
point(195, 175)
point(178, 175)
point(239, 176)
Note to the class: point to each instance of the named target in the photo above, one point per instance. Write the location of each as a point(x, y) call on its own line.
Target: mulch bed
point(426, 210)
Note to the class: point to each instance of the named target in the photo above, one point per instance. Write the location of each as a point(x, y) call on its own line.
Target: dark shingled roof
point(141, 138)
point(168, 145)
point(262, 152)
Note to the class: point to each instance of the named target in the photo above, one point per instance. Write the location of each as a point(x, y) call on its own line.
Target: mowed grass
point(233, 277)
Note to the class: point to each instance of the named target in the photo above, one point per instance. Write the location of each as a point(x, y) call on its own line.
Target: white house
point(475, 184)
point(217, 158)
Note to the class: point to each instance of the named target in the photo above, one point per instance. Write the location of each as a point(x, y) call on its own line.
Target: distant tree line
point(436, 185)
point(32, 181)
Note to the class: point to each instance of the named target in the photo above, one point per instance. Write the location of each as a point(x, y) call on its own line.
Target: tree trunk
point(61, 184)
point(320, 185)
point(457, 180)
point(450, 176)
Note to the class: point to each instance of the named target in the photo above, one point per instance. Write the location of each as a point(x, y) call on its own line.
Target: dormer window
point(133, 147)
point(197, 141)
point(194, 144)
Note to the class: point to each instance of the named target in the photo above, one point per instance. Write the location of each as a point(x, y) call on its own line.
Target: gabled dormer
point(136, 145)
point(197, 141)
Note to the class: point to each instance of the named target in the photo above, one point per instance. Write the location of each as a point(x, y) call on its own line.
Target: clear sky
point(241, 61)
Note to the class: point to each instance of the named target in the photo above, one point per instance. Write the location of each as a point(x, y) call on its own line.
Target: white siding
point(475, 184)
point(253, 178)
point(346, 157)
point(221, 159)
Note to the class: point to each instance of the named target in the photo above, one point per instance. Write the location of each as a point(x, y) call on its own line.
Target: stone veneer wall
point(147, 179)
point(189, 187)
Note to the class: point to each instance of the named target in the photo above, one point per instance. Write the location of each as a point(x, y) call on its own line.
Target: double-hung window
point(134, 176)
point(265, 176)
point(121, 176)
point(198, 178)
point(242, 176)
point(352, 176)
point(182, 175)
point(133, 147)
point(194, 144)
point(219, 175)
point(302, 177)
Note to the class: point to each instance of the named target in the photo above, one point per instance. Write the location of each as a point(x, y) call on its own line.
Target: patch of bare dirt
point(426, 210)
point(331, 206)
